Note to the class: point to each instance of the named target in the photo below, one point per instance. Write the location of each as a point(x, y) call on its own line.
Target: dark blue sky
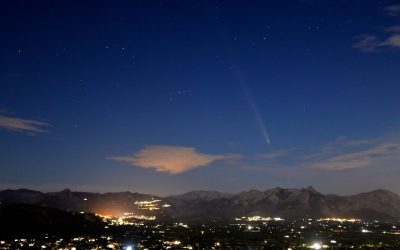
point(170, 96)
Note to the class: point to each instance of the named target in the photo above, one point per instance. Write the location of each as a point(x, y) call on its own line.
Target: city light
point(316, 246)
point(258, 218)
point(174, 235)
point(340, 219)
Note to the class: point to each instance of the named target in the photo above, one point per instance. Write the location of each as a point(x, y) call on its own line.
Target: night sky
point(165, 97)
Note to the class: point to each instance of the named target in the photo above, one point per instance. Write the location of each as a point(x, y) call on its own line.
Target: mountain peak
point(67, 190)
point(201, 195)
point(311, 189)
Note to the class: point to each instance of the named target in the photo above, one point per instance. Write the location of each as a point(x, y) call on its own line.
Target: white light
point(129, 248)
point(316, 246)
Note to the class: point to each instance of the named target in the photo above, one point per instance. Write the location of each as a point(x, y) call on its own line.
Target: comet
point(255, 111)
point(236, 69)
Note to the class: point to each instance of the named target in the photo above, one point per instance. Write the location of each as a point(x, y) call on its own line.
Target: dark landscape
point(274, 218)
point(208, 206)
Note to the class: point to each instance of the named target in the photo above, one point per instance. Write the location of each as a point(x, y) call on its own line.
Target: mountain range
point(202, 206)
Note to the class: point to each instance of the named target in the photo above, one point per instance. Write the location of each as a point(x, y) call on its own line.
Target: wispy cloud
point(339, 154)
point(23, 125)
point(367, 43)
point(393, 10)
point(392, 41)
point(171, 159)
point(342, 142)
point(276, 154)
point(273, 155)
point(373, 42)
point(359, 158)
point(339, 145)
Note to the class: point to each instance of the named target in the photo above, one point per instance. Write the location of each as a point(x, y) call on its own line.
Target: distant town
point(150, 222)
point(138, 232)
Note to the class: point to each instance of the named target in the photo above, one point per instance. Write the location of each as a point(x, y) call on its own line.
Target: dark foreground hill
point(107, 203)
point(202, 206)
point(25, 219)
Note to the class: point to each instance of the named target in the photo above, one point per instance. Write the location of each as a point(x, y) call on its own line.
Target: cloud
point(392, 41)
point(393, 10)
point(273, 155)
point(367, 43)
point(360, 158)
point(343, 142)
point(338, 146)
point(171, 159)
point(23, 125)
point(276, 154)
point(371, 43)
